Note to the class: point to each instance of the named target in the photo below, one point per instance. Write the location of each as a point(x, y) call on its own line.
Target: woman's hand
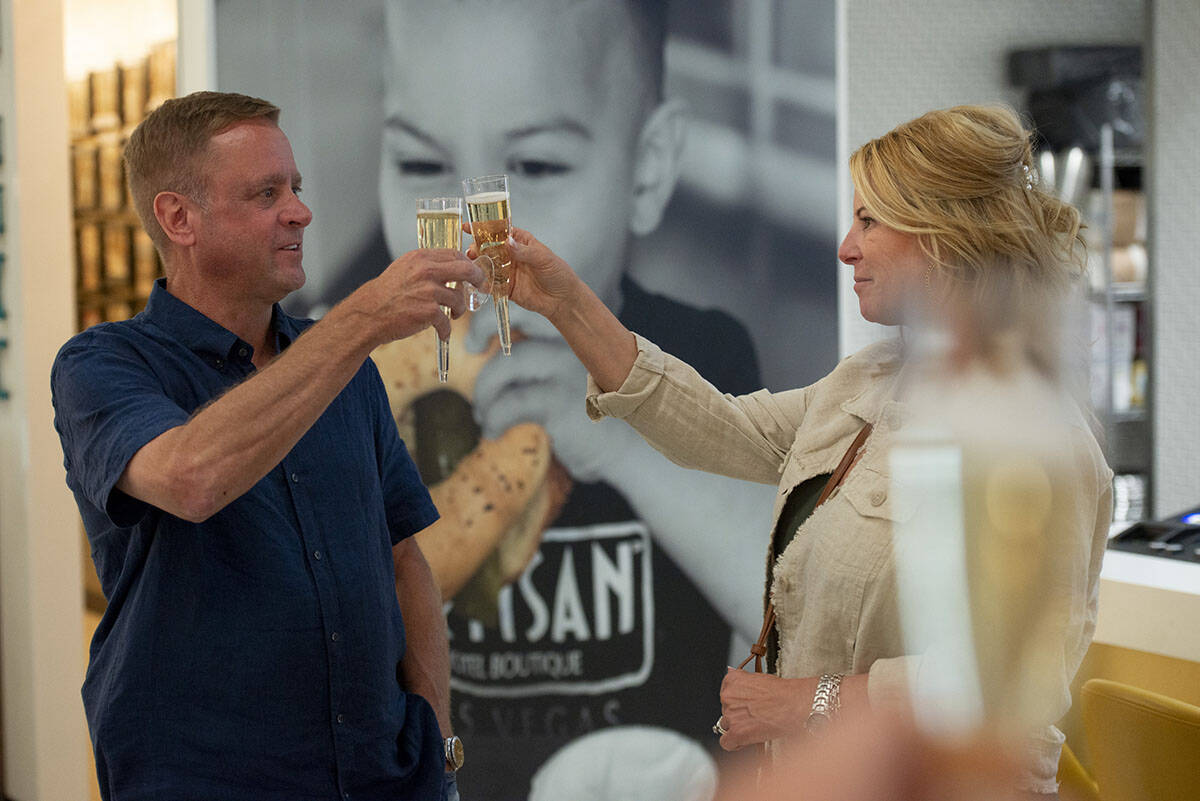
point(756, 707)
point(546, 285)
point(542, 282)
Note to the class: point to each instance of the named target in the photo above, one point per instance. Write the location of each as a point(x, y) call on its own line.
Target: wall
point(898, 60)
point(1174, 231)
point(41, 600)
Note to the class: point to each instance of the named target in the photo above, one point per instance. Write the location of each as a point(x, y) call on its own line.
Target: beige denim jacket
point(835, 589)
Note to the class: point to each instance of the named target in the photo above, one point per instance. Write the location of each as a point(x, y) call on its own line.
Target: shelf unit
point(116, 263)
point(1121, 355)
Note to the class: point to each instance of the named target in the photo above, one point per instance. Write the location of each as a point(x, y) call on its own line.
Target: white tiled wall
point(1174, 242)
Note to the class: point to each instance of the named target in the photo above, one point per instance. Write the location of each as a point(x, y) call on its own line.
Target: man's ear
point(656, 168)
point(177, 216)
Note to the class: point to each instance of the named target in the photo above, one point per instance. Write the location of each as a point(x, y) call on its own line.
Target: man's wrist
point(452, 749)
point(354, 324)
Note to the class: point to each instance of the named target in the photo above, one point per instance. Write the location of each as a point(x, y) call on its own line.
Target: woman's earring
point(929, 278)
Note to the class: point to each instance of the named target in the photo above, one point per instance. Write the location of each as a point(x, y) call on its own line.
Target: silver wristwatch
point(454, 752)
point(827, 701)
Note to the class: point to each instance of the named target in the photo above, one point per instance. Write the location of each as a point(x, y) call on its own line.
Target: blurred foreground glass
point(439, 225)
point(981, 499)
point(491, 223)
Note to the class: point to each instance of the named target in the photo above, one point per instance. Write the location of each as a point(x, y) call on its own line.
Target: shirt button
point(295, 478)
point(219, 363)
point(341, 718)
point(242, 352)
point(335, 636)
point(894, 420)
point(317, 555)
point(878, 497)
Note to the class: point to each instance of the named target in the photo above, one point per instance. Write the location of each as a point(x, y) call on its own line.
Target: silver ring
point(718, 729)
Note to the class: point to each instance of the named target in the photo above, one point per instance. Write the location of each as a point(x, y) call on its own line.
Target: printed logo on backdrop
point(579, 621)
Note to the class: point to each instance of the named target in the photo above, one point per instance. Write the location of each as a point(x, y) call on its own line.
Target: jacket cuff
point(643, 379)
point(888, 683)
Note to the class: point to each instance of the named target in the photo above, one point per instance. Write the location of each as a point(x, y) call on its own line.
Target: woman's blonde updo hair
point(961, 179)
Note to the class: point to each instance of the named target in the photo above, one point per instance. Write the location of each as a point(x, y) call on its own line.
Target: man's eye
point(419, 168)
point(531, 168)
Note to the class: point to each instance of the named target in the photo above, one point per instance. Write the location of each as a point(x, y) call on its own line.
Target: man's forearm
point(426, 664)
point(194, 470)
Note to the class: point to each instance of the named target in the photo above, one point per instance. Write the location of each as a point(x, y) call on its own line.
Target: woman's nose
point(848, 252)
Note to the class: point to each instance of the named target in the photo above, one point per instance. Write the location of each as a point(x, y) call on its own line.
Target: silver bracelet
point(827, 700)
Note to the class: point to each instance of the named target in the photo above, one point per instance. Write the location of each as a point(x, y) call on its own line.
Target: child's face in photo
point(550, 93)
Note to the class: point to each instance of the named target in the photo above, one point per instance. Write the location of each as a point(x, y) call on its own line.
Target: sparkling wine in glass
point(439, 225)
point(491, 222)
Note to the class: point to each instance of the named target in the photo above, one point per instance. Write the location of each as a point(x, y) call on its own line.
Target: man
point(625, 612)
point(272, 631)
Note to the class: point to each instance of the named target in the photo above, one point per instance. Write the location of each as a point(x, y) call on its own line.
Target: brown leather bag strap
point(758, 650)
point(839, 473)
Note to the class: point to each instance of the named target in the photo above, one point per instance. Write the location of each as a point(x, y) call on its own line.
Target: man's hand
point(409, 295)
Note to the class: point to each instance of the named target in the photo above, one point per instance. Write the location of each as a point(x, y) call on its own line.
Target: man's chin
point(288, 282)
point(295, 278)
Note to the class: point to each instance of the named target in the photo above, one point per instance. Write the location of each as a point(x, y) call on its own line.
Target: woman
point(950, 235)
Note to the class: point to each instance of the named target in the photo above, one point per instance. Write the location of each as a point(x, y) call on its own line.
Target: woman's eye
point(532, 168)
point(420, 168)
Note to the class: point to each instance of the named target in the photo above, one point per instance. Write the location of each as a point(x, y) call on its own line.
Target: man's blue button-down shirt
point(254, 655)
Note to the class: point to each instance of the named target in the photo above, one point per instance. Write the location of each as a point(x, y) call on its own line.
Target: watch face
point(454, 752)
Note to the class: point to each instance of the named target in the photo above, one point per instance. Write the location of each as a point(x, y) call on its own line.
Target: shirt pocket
point(872, 494)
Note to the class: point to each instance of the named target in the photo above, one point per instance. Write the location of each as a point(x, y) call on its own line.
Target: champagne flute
point(439, 225)
point(491, 222)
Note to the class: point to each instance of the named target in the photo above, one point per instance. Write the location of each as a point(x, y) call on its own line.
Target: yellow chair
point(1074, 783)
point(1143, 746)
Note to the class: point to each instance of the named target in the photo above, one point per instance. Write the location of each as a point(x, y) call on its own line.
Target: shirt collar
point(204, 336)
point(882, 370)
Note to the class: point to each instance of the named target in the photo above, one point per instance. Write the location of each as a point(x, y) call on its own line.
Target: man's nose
point(298, 213)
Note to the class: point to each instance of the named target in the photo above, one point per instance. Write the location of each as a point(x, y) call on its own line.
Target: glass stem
point(443, 354)
point(502, 324)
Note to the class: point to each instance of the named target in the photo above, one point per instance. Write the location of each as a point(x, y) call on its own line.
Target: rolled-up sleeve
point(640, 384)
point(888, 683)
point(695, 425)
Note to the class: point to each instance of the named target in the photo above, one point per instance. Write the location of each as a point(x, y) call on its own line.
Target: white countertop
point(1150, 603)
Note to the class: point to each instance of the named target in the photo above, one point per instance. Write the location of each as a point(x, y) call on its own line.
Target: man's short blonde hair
point(166, 151)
